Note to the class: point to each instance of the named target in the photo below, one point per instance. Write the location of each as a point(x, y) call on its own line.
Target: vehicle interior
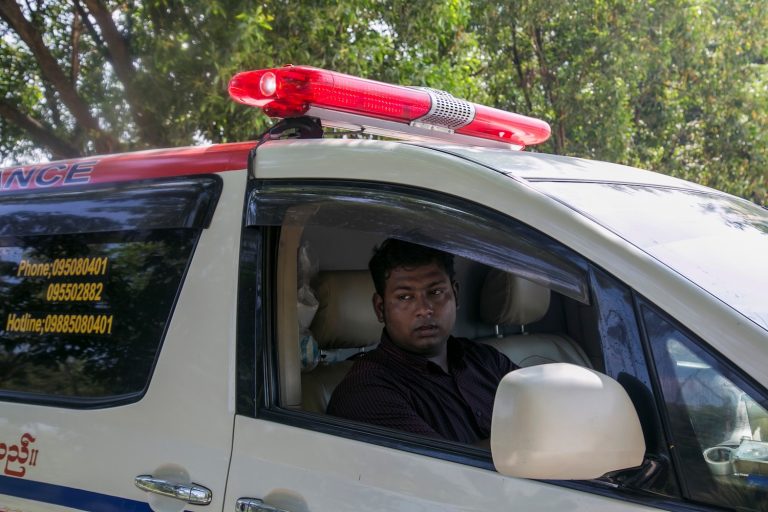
point(333, 310)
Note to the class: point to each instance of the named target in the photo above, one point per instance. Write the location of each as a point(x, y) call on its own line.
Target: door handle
point(255, 505)
point(193, 494)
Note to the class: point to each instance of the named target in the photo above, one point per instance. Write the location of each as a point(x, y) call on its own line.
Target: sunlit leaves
point(678, 86)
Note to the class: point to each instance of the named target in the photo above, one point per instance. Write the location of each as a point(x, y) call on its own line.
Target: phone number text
point(60, 324)
point(74, 292)
point(96, 266)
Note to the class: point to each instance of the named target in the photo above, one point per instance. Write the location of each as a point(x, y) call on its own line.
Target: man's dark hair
point(393, 253)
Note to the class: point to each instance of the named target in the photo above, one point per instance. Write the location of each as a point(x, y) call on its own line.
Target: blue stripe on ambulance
point(68, 496)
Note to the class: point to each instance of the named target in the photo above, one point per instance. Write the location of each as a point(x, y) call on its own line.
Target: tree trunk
point(51, 71)
point(521, 76)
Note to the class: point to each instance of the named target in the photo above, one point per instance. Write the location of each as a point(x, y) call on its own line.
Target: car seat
point(507, 300)
point(344, 326)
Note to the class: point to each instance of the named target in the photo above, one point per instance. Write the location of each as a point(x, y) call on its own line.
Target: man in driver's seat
point(420, 378)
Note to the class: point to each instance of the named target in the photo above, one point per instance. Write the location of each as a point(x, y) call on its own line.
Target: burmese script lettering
point(18, 457)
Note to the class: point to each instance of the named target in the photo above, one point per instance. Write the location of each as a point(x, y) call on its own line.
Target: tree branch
point(52, 72)
point(118, 49)
point(523, 80)
point(549, 88)
point(120, 56)
point(37, 131)
point(77, 27)
point(91, 30)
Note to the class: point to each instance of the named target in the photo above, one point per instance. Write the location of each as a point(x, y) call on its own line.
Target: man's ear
point(455, 285)
point(378, 307)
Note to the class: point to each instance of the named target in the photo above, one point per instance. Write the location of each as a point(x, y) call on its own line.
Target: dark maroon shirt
point(397, 389)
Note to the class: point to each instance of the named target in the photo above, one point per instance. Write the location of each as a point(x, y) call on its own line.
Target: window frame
point(265, 386)
point(627, 360)
point(284, 194)
point(177, 202)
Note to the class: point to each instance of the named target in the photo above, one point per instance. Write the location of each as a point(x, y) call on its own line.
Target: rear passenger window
point(84, 313)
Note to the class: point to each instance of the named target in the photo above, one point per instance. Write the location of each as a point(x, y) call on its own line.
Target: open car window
point(327, 234)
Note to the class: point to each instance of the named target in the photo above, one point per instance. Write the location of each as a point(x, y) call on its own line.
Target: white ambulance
point(173, 322)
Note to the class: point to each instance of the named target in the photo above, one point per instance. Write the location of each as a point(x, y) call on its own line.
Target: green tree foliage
point(677, 86)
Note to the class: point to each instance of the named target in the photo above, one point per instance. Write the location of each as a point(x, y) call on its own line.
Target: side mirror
point(563, 422)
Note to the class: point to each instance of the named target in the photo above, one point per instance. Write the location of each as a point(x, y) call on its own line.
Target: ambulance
point(173, 322)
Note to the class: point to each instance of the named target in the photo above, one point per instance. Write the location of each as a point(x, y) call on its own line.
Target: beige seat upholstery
point(510, 300)
point(344, 320)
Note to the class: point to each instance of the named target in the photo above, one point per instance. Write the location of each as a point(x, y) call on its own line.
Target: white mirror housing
point(563, 422)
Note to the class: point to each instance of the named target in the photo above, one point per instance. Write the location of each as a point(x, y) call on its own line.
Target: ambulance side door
point(289, 457)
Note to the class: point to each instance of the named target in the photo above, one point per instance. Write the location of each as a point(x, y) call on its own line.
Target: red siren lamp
point(354, 103)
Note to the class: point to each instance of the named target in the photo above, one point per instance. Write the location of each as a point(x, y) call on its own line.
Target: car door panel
point(300, 470)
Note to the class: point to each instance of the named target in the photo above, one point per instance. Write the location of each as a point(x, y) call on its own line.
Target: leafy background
point(675, 86)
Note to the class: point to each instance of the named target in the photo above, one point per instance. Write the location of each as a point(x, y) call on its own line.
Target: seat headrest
point(345, 317)
point(509, 299)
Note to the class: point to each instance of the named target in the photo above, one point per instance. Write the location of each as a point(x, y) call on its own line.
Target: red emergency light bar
point(346, 101)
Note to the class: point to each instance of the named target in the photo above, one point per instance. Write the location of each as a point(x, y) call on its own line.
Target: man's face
point(418, 308)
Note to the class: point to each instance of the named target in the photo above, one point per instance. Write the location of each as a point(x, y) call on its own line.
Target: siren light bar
point(349, 102)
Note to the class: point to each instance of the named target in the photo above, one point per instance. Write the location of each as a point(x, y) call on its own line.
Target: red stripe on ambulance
point(127, 167)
